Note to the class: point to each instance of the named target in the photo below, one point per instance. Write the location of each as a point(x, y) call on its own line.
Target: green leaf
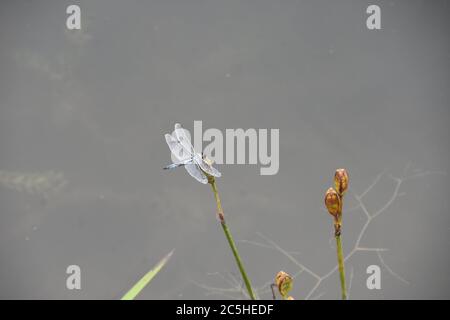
point(137, 288)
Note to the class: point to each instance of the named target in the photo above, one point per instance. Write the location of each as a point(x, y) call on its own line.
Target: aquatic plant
point(145, 280)
point(334, 203)
point(226, 230)
point(409, 174)
point(201, 168)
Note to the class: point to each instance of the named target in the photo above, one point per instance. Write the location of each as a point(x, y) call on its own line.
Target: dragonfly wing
point(194, 171)
point(176, 148)
point(206, 167)
point(182, 137)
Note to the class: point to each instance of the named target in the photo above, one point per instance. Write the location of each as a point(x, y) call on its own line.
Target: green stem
point(229, 237)
point(340, 257)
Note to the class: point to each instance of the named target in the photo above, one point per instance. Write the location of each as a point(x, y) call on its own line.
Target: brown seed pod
point(284, 283)
point(341, 181)
point(333, 202)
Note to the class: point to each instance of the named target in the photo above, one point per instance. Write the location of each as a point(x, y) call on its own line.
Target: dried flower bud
point(341, 181)
point(333, 202)
point(284, 283)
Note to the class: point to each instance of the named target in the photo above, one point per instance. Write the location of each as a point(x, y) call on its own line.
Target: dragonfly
point(197, 165)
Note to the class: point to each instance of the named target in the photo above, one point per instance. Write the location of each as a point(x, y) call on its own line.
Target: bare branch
point(395, 275)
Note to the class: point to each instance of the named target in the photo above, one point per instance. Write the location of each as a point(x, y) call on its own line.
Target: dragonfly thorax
point(207, 160)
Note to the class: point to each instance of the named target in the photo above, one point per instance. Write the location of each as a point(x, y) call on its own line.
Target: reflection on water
point(43, 184)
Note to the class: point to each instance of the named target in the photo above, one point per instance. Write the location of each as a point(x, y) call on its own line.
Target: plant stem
point(229, 237)
point(340, 257)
